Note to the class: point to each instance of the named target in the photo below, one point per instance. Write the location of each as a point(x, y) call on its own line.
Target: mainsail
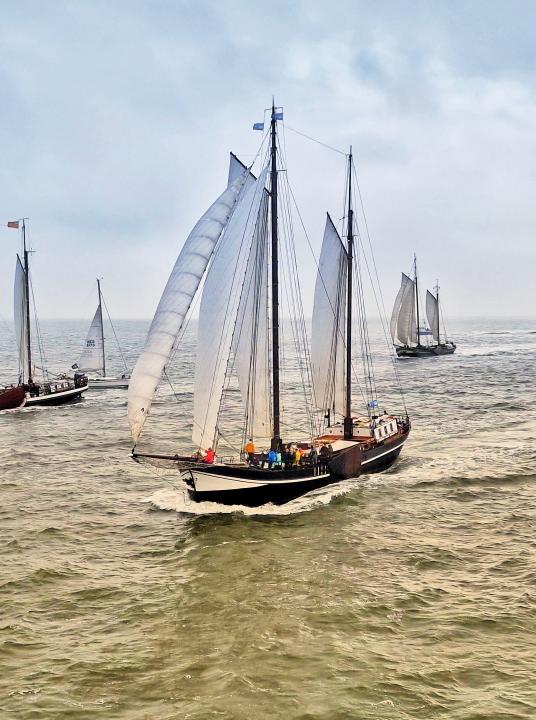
point(403, 319)
point(251, 342)
point(20, 300)
point(329, 323)
point(91, 359)
point(175, 302)
point(219, 309)
point(432, 314)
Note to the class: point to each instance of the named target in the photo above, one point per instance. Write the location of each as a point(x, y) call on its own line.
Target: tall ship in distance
point(410, 337)
point(41, 386)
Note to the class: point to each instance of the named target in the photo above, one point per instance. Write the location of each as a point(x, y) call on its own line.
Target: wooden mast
point(276, 435)
point(101, 329)
point(348, 422)
point(28, 338)
point(417, 301)
point(437, 300)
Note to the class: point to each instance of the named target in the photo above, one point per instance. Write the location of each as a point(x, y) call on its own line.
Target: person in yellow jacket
point(250, 450)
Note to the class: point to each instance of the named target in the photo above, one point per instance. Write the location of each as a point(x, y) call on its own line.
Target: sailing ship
point(49, 390)
point(93, 358)
point(406, 330)
point(234, 247)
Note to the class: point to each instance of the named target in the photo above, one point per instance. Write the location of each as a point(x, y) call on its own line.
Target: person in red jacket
point(209, 456)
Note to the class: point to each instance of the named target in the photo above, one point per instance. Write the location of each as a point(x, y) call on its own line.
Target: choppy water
point(410, 594)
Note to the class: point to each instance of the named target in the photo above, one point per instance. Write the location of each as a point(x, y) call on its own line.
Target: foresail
point(19, 306)
point(396, 311)
point(91, 359)
point(432, 314)
point(251, 342)
point(406, 326)
point(329, 323)
point(175, 302)
point(218, 312)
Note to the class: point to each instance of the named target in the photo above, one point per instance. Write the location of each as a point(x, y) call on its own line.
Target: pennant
point(277, 116)
point(13, 224)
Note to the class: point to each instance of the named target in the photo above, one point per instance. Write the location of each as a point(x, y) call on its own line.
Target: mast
point(417, 301)
point(276, 435)
point(27, 304)
point(102, 330)
point(437, 300)
point(348, 423)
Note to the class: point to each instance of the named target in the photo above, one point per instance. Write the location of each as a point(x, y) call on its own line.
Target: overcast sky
point(117, 118)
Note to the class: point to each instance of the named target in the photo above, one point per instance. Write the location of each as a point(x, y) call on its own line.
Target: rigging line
point(319, 142)
point(356, 377)
point(113, 330)
point(299, 329)
point(175, 395)
point(381, 310)
point(40, 344)
point(299, 326)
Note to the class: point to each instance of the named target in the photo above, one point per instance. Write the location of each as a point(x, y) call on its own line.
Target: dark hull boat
point(425, 350)
point(12, 397)
point(254, 487)
point(234, 250)
point(406, 330)
point(47, 391)
point(56, 393)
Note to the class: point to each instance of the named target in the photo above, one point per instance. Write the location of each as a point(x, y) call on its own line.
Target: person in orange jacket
point(250, 450)
point(209, 456)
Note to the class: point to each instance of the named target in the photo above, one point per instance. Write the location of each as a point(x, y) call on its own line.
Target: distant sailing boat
point(93, 358)
point(49, 390)
point(406, 329)
point(235, 248)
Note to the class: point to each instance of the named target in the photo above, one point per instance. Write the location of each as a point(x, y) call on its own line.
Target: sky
point(117, 118)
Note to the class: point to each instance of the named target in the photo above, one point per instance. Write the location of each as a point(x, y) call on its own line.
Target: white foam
point(177, 499)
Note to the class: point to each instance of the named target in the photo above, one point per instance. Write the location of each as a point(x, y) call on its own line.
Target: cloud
point(117, 119)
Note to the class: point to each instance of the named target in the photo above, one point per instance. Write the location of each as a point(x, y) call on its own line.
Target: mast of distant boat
point(417, 301)
point(27, 303)
point(276, 435)
point(437, 299)
point(101, 329)
point(348, 422)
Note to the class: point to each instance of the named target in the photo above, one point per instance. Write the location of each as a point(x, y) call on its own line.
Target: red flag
point(13, 224)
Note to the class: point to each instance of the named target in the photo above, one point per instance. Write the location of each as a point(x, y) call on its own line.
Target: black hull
point(274, 494)
point(61, 400)
point(374, 460)
point(425, 351)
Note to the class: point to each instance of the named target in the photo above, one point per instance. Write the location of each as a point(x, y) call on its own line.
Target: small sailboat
point(409, 337)
point(93, 358)
point(49, 389)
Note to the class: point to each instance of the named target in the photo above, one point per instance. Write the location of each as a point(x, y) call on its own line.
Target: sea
point(403, 595)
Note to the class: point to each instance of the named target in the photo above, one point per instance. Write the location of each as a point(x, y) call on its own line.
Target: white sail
point(91, 359)
point(20, 300)
point(251, 342)
point(396, 310)
point(329, 323)
point(406, 326)
point(175, 302)
point(432, 314)
point(218, 312)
